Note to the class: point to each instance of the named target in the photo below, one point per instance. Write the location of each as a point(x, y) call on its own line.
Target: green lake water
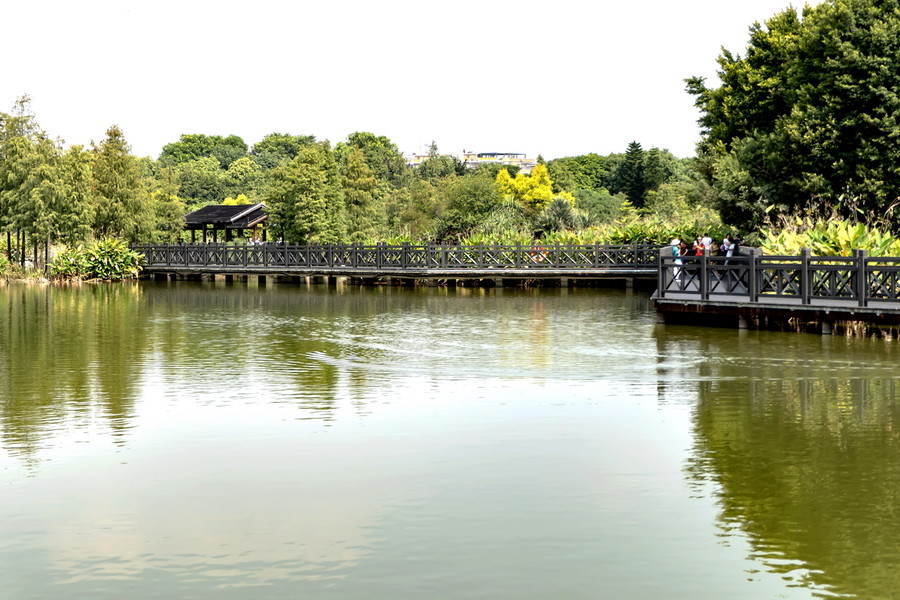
point(188, 440)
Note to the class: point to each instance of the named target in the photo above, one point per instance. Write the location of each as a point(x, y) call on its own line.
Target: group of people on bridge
point(730, 246)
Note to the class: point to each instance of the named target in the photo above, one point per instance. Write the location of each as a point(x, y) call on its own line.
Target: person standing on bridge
point(677, 250)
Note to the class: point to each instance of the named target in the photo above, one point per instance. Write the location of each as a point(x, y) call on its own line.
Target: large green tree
point(202, 181)
point(278, 148)
point(382, 156)
point(305, 199)
point(808, 117)
point(122, 204)
point(438, 166)
point(585, 172)
point(45, 192)
point(359, 184)
point(192, 146)
point(466, 202)
point(73, 211)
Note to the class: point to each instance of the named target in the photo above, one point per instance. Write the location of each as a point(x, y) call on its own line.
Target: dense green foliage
point(107, 259)
point(807, 119)
point(804, 124)
point(360, 190)
point(835, 237)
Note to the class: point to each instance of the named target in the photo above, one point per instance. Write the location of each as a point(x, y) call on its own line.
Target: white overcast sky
point(556, 78)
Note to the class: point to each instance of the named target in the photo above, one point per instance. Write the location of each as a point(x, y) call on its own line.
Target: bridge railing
point(803, 279)
point(402, 256)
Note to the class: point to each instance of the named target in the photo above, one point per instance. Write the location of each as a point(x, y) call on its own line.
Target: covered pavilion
point(229, 219)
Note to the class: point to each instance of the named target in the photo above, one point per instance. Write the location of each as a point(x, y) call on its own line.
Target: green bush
point(827, 238)
point(4, 264)
point(69, 264)
point(107, 259)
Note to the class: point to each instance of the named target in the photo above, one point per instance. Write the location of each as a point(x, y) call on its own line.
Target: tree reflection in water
point(68, 354)
point(801, 443)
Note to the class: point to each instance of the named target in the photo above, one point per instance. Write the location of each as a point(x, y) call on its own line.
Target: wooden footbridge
point(801, 292)
point(748, 291)
point(431, 263)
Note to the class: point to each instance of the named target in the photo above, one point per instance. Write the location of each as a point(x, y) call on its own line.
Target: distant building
point(476, 159)
point(473, 160)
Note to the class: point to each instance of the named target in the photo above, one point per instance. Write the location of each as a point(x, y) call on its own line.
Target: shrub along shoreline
point(103, 260)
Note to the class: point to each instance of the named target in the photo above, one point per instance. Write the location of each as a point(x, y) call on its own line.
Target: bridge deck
point(803, 288)
point(411, 273)
point(430, 261)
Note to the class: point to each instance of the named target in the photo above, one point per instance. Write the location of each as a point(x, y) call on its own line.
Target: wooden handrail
point(804, 279)
point(405, 256)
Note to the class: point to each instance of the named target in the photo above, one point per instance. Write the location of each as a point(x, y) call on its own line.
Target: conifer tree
point(305, 198)
point(359, 184)
point(630, 175)
point(122, 204)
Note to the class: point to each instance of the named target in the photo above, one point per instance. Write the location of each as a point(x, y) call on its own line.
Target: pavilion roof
point(226, 216)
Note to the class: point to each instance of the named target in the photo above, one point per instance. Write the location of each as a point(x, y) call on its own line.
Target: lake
point(213, 440)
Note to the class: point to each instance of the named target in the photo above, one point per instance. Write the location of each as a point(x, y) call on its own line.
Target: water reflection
point(799, 437)
point(362, 443)
point(68, 355)
point(73, 354)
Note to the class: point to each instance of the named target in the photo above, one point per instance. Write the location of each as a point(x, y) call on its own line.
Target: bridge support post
point(660, 318)
point(826, 328)
point(629, 283)
point(262, 280)
point(331, 281)
point(498, 282)
point(743, 322)
point(564, 282)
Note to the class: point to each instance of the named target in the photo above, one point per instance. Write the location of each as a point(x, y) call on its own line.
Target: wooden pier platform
point(804, 292)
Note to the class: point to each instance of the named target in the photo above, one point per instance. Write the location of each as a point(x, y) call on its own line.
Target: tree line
point(357, 190)
point(806, 121)
point(802, 127)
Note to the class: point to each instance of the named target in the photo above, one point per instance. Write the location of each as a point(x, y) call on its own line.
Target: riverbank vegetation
point(359, 190)
point(805, 122)
point(803, 125)
point(108, 259)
